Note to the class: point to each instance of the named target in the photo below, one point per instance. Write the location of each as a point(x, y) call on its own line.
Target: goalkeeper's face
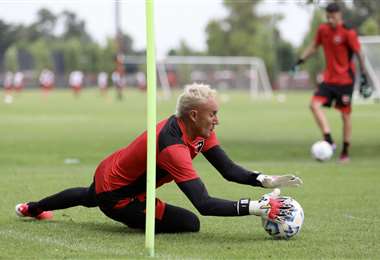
point(206, 118)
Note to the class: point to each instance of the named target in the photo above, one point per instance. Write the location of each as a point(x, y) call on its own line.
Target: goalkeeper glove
point(270, 206)
point(365, 89)
point(279, 181)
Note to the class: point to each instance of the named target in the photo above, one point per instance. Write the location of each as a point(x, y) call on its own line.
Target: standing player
point(18, 81)
point(46, 80)
point(119, 183)
point(339, 43)
point(141, 80)
point(119, 75)
point(118, 81)
point(76, 81)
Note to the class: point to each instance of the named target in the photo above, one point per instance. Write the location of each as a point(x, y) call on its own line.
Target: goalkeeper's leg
point(168, 219)
point(80, 196)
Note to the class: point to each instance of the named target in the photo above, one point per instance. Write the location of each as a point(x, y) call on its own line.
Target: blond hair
point(193, 95)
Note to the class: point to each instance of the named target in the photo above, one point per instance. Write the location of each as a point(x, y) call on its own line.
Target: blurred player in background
point(141, 80)
point(18, 81)
point(8, 87)
point(119, 183)
point(103, 82)
point(172, 76)
point(118, 81)
point(46, 80)
point(76, 81)
point(339, 43)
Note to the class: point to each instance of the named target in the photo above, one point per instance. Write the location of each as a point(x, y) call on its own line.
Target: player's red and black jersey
point(124, 171)
point(339, 44)
point(121, 177)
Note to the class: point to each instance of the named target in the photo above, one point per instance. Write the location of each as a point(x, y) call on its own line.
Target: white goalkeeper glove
point(271, 206)
point(279, 181)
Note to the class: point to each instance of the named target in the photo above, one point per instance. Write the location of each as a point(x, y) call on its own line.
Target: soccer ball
point(321, 151)
point(290, 227)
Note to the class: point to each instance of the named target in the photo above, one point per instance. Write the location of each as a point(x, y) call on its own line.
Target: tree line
point(38, 45)
point(243, 32)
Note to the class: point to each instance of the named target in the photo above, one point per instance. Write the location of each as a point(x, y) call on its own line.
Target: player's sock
point(33, 209)
point(328, 138)
point(346, 145)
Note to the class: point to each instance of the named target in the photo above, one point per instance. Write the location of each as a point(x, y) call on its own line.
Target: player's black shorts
point(132, 212)
point(339, 95)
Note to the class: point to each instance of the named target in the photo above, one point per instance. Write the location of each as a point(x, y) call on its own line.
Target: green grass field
point(342, 215)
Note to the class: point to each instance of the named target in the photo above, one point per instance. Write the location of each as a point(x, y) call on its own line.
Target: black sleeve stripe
point(170, 134)
point(230, 170)
point(197, 193)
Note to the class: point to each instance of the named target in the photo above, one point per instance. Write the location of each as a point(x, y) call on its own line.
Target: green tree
point(184, 50)
point(72, 52)
point(364, 10)
point(7, 38)
point(245, 33)
point(286, 56)
point(11, 62)
point(37, 45)
point(41, 53)
point(127, 44)
point(370, 27)
point(107, 55)
point(74, 27)
point(46, 23)
point(91, 55)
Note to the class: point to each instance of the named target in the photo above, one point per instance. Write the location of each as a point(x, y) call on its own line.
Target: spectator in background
point(76, 81)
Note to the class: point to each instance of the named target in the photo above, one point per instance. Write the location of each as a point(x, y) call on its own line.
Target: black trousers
point(174, 220)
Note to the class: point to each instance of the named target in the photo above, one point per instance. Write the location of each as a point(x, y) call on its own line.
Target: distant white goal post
point(220, 72)
point(371, 51)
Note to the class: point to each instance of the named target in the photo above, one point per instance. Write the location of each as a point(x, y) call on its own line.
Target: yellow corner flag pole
point(151, 129)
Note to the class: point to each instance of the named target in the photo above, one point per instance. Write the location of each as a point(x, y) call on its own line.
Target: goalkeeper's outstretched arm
point(235, 173)
point(230, 170)
point(269, 206)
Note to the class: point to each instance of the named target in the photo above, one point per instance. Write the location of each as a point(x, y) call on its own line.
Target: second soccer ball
point(321, 151)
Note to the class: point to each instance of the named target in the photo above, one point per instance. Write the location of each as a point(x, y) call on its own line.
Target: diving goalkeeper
point(119, 183)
